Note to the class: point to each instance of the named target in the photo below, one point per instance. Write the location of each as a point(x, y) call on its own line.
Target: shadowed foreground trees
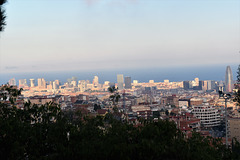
point(46, 133)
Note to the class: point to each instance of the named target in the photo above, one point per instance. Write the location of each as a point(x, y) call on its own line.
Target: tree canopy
point(45, 132)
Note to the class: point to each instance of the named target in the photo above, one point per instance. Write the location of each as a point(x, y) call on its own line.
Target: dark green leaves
point(2, 15)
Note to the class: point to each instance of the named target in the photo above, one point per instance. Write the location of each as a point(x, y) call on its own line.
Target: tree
point(96, 107)
point(237, 87)
point(238, 74)
point(115, 96)
point(44, 132)
point(2, 15)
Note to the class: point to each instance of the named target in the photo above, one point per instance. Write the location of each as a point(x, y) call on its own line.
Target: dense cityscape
point(193, 105)
point(168, 99)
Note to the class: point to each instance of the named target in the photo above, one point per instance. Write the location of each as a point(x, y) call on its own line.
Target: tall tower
point(32, 83)
point(39, 82)
point(120, 81)
point(128, 82)
point(228, 80)
point(186, 85)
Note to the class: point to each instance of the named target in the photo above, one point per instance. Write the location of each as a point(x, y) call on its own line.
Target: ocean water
point(142, 74)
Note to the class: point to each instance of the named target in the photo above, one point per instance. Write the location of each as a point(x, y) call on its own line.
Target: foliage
point(96, 107)
point(2, 15)
point(237, 87)
point(115, 96)
point(45, 132)
point(238, 74)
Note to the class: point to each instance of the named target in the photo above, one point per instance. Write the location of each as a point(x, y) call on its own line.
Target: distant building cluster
point(193, 105)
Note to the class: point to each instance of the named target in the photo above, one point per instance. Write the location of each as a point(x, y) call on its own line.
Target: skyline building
point(128, 83)
point(186, 85)
point(22, 83)
point(12, 82)
point(55, 86)
point(228, 80)
point(32, 82)
point(135, 81)
point(42, 83)
point(204, 85)
point(39, 82)
point(196, 81)
point(151, 81)
point(120, 81)
point(166, 81)
point(82, 85)
point(57, 82)
point(95, 81)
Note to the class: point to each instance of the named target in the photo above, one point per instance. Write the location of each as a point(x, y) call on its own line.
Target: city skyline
point(132, 79)
point(216, 73)
point(113, 34)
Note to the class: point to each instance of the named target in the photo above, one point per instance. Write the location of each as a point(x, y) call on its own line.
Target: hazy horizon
point(142, 75)
point(88, 35)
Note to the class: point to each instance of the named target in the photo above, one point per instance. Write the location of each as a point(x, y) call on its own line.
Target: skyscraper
point(39, 82)
point(186, 85)
point(120, 81)
point(228, 80)
point(42, 83)
point(32, 83)
point(128, 84)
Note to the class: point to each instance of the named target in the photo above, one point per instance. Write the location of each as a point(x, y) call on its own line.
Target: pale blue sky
point(55, 35)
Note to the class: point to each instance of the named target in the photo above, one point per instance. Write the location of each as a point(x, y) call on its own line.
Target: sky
point(81, 35)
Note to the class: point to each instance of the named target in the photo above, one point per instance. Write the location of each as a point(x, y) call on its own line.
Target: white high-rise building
point(55, 86)
point(32, 82)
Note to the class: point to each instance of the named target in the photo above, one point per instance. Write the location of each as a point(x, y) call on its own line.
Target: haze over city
point(120, 79)
point(88, 35)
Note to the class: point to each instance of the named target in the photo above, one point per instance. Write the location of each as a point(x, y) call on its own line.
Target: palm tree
point(115, 96)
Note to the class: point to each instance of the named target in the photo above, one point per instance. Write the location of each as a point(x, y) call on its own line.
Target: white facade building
point(209, 117)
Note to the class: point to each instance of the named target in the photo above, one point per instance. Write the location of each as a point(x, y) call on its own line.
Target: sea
point(159, 74)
